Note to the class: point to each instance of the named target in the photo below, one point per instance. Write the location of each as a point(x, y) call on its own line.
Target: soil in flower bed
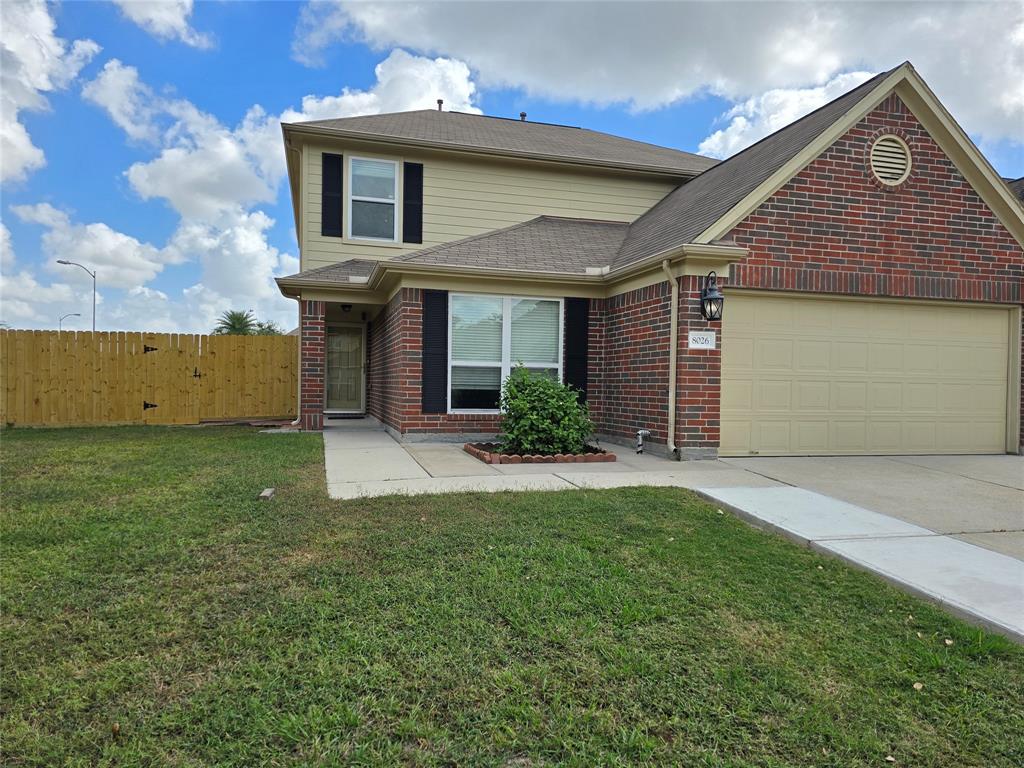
point(490, 453)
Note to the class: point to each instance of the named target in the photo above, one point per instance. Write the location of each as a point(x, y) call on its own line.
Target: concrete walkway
point(362, 460)
point(981, 585)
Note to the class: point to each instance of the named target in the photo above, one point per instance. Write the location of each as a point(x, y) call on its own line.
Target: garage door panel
point(811, 396)
point(774, 354)
point(885, 436)
point(813, 355)
point(885, 357)
point(849, 436)
point(849, 396)
point(851, 356)
point(812, 436)
point(814, 376)
point(885, 396)
point(739, 356)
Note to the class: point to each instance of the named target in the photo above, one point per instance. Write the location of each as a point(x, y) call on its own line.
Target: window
point(490, 334)
point(373, 188)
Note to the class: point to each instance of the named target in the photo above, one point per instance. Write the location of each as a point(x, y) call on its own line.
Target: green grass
point(144, 585)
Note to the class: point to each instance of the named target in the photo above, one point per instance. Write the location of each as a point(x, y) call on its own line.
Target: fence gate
point(171, 363)
point(68, 378)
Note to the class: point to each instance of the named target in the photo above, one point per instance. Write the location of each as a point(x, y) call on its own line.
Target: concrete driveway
point(977, 499)
point(948, 528)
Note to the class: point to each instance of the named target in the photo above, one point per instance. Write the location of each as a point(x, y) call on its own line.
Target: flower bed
point(490, 453)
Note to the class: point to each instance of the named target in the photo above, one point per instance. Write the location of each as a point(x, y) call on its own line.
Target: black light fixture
point(711, 299)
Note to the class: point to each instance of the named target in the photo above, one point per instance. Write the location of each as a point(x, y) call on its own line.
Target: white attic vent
point(890, 160)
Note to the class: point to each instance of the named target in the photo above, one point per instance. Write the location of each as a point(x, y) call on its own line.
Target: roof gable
point(708, 207)
point(693, 207)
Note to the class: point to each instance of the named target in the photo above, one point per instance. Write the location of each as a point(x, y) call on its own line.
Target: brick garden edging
point(489, 453)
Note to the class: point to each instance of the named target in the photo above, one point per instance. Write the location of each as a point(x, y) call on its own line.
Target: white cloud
point(760, 116)
point(655, 54)
point(129, 102)
point(205, 169)
point(6, 250)
point(120, 260)
point(165, 20)
point(213, 176)
point(35, 62)
point(27, 303)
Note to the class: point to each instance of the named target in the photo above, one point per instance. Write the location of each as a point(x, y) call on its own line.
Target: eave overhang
point(388, 276)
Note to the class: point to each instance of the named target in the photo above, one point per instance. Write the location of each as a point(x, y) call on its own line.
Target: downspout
point(672, 358)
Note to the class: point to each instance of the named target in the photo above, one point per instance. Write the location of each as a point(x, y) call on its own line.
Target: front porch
point(334, 360)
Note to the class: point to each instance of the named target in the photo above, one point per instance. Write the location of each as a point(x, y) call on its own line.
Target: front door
point(345, 372)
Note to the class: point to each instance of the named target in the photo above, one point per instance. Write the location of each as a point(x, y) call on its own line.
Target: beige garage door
point(836, 376)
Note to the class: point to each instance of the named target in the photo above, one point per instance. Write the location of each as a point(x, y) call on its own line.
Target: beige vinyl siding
point(465, 197)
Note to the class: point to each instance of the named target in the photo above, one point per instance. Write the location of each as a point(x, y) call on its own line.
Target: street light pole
point(60, 323)
point(91, 274)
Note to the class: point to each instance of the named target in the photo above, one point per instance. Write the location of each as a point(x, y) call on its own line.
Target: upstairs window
point(372, 199)
point(491, 334)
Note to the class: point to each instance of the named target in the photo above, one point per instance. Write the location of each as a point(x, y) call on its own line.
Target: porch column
point(311, 365)
point(698, 379)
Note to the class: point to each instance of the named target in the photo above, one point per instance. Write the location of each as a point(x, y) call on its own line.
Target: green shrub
point(542, 416)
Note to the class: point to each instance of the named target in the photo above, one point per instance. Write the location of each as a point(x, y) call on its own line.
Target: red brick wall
point(698, 377)
point(311, 367)
point(629, 363)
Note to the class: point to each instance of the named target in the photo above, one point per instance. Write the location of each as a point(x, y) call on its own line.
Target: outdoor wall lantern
point(711, 299)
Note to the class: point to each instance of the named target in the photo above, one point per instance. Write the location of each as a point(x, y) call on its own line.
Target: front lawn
point(144, 585)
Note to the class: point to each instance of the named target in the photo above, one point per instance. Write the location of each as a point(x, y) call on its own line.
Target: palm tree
point(235, 322)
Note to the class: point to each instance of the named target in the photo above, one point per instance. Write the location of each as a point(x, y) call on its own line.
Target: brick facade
point(311, 367)
point(832, 229)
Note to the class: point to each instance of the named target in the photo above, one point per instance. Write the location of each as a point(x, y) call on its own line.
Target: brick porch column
point(698, 377)
point(311, 364)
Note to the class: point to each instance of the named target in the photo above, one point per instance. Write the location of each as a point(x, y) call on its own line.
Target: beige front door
point(345, 373)
point(839, 376)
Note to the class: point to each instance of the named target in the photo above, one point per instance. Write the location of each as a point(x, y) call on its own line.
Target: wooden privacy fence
point(66, 378)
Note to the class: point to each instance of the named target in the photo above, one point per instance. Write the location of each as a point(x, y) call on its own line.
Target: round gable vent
point(890, 160)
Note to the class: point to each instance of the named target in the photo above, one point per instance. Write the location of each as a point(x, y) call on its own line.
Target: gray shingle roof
point(336, 273)
point(1017, 187)
point(694, 206)
point(544, 244)
point(464, 131)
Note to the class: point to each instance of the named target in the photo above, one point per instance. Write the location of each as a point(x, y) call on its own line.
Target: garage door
point(835, 376)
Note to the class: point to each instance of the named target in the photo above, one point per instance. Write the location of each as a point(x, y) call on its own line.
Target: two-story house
point(869, 257)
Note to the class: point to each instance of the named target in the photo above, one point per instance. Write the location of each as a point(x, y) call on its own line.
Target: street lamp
point(91, 274)
point(60, 323)
point(711, 299)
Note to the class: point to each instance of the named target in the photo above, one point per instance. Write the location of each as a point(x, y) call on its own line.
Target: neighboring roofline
point(336, 133)
point(693, 258)
point(920, 100)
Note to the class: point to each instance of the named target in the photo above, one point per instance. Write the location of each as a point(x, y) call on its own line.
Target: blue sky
point(155, 93)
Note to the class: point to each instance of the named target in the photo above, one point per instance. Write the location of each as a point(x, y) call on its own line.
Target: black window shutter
point(412, 203)
point(577, 335)
point(330, 196)
point(434, 396)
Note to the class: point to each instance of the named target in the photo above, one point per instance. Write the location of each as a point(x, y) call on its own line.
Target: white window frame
point(349, 197)
point(506, 345)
